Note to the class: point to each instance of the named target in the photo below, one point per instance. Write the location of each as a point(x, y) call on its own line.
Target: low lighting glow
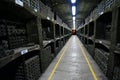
point(100, 41)
point(74, 18)
point(52, 19)
point(73, 1)
point(101, 13)
point(48, 18)
point(73, 10)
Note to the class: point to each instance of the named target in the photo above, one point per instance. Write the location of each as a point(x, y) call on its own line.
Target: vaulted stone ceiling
point(64, 11)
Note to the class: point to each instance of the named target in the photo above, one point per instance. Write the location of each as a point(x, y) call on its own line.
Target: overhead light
point(73, 10)
point(19, 2)
point(73, 1)
point(73, 18)
point(74, 24)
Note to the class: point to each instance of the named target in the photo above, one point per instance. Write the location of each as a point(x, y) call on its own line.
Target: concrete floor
point(73, 65)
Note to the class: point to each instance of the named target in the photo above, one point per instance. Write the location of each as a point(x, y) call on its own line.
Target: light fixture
point(73, 10)
point(74, 24)
point(19, 2)
point(73, 1)
point(73, 18)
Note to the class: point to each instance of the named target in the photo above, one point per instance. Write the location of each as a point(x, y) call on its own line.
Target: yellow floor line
point(88, 62)
point(54, 69)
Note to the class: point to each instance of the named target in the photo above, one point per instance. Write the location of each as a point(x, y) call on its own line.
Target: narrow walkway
point(73, 63)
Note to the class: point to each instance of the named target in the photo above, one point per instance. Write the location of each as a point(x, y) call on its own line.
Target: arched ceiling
point(64, 11)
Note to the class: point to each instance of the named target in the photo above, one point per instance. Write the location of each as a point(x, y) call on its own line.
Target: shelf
point(82, 35)
point(58, 38)
point(91, 38)
point(61, 37)
point(46, 42)
point(47, 29)
point(86, 36)
point(25, 12)
point(57, 30)
point(91, 29)
point(66, 31)
point(104, 26)
point(103, 42)
point(86, 29)
point(17, 53)
point(117, 50)
point(90, 42)
point(19, 17)
point(62, 31)
point(102, 57)
point(116, 32)
point(66, 35)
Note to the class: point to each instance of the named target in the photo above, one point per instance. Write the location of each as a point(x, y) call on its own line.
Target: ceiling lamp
point(73, 18)
point(73, 10)
point(74, 24)
point(73, 1)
